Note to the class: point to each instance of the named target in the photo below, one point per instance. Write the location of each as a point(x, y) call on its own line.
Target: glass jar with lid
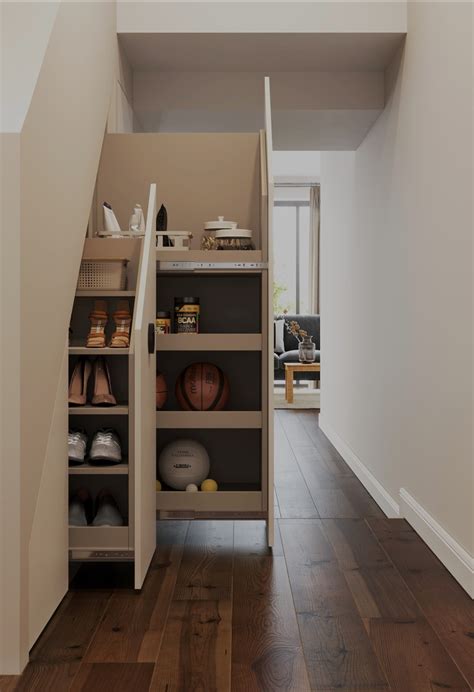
point(234, 239)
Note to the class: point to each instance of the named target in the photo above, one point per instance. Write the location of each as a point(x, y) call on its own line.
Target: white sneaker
point(108, 514)
point(105, 448)
point(77, 445)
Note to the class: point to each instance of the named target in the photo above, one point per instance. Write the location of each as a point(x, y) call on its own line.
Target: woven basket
point(103, 274)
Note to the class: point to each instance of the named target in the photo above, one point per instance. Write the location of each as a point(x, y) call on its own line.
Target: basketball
point(202, 387)
point(183, 462)
point(161, 391)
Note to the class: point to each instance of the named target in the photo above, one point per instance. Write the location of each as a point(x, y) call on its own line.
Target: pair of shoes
point(81, 509)
point(102, 395)
point(104, 450)
point(99, 318)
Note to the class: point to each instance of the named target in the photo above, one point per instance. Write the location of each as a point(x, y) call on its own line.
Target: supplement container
point(186, 315)
point(163, 322)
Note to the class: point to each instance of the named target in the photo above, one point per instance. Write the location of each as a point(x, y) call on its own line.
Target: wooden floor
point(349, 600)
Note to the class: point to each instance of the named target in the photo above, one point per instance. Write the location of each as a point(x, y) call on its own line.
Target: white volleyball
point(192, 488)
point(183, 462)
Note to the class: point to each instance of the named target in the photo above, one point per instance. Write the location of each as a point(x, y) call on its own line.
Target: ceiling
point(327, 88)
point(261, 52)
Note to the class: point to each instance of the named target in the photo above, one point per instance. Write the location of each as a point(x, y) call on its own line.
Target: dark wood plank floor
point(348, 600)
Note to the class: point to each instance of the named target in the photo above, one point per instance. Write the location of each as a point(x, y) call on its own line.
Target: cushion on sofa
point(279, 335)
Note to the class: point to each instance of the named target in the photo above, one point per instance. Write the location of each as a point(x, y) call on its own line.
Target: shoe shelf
point(108, 315)
point(208, 419)
point(103, 293)
point(101, 555)
point(85, 351)
point(209, 342)
point(89, 470)
point(105, 543)
point(98, 537)
point(120, 410)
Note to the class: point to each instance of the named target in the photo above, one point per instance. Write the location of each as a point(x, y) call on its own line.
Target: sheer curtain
point(314, 206)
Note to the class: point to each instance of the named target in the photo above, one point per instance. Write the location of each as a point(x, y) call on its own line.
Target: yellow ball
point(158, 486)
point(209, 486)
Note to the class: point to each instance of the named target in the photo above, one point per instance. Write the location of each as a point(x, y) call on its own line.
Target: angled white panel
point(144, 415)
point(270, 195)
point(48, 547)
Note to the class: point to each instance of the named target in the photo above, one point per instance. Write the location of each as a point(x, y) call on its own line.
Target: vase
point(307, 350)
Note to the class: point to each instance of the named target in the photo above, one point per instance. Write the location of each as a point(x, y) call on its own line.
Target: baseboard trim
point(453, 556)
point(368, 480)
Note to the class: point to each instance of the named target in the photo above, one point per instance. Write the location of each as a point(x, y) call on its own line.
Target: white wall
point(122, 117)
point(25, 31)
point(396, 289)
point(13, 551)
point(297, 164)
point(310, 110)
point(48, 177)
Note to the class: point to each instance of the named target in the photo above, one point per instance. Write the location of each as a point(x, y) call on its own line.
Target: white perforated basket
point(103, 273)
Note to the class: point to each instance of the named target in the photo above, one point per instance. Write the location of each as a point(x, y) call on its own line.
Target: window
point(292, 250)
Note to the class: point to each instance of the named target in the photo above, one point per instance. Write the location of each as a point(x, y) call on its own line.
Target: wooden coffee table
point(291, 368)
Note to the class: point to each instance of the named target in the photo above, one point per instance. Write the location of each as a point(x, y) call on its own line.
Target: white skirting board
point(368, 480)
point(453, 556)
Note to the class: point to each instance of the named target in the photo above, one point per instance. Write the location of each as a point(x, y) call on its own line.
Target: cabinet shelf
point(208, 419)
point(103, 293)
point(101, 555)
point(84, 351)
point(98, 537)
point(209, 255)
point(219, 501)
point(89, 470)
point(209, 342)
point(121, 410)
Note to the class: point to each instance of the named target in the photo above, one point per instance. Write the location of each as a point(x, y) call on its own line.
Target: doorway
point(296, 287)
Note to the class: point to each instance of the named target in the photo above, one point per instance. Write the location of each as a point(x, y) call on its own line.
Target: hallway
point(350, 600)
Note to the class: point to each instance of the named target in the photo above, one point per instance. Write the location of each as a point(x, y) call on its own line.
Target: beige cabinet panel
point(143, 424)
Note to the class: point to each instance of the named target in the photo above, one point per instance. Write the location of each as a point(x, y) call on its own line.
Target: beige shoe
point(98, 318)
point(102, 385)
point(123, 320)
point(78, 384)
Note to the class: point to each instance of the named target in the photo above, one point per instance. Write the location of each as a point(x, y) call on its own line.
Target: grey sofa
point(309, 323)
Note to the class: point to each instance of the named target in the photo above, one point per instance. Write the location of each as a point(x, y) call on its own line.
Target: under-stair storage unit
point(131, 369)
point(199, 178)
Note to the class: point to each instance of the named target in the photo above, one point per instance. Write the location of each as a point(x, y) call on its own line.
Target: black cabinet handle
point(151, 338)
